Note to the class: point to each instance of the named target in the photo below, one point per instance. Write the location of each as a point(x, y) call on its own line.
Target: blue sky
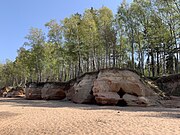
point(18, 16)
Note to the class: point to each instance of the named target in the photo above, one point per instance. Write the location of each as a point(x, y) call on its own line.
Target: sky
point(18, 16)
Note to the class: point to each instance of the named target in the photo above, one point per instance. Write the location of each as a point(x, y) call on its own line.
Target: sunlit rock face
point(4, 91)
point(82, 90)
point(53, 92)
point(104, 87)
point(107, 98)
point(12, 92)
point(113, 86)
point(16, 92)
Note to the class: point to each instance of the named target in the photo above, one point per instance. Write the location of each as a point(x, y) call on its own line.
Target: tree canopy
point(143, 36)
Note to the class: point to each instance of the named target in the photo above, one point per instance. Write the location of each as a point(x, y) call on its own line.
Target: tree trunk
point(114, 53)
point(106, 56)
point(152, 63)
point(87, 63)
point(164, 59)
point(132, 48)
point(158, 66)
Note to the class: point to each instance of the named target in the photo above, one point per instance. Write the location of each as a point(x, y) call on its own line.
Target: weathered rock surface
point(33, 91)
point(4, 94)
point(82, 90)
point(52, 92)
point(173, 102)
point(104, 87)
point(120, 82)
point(132, 100)
point(107, 98)
point(12, 92)
point(170, 84)
point(15, 94)
point(109, 85)
point(4, 91)
point(46, 90)
point(18, 92)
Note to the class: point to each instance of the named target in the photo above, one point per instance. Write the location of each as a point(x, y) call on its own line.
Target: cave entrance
point(121, 102)
point(121, 92)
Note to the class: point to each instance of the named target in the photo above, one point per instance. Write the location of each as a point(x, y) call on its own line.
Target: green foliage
point(143, 35)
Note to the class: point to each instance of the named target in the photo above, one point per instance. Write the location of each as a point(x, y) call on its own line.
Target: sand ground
point(36, 117)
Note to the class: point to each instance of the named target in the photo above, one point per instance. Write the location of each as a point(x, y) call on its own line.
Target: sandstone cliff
point(104, 87)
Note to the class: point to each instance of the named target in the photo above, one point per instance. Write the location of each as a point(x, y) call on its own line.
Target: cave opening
point(121, 92)
point(121, 102)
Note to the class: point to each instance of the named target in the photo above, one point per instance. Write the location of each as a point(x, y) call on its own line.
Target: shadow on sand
point(20, 102)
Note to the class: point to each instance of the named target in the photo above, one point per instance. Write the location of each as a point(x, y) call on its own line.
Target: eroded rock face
point(174, 102)
point(82, 90)
point(105, 87)
point(112, 87)
point(118, 83)
point(46, 90)
point(4, 91)
point(107, 98)
point(33, 92)
point(133, 100)
point(109, 85)
point(52, 92)
point(18, 92)
point(12, 92)
point(15, 94)
point(170, 84)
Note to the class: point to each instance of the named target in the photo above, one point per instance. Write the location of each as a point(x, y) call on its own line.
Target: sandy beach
point(39, 117)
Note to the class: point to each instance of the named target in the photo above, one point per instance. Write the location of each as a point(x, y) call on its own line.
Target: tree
point(54, 51)
point(36, 40)
point(73, 40)
point(107, 32)
point(144, 36)
point(90, 38)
